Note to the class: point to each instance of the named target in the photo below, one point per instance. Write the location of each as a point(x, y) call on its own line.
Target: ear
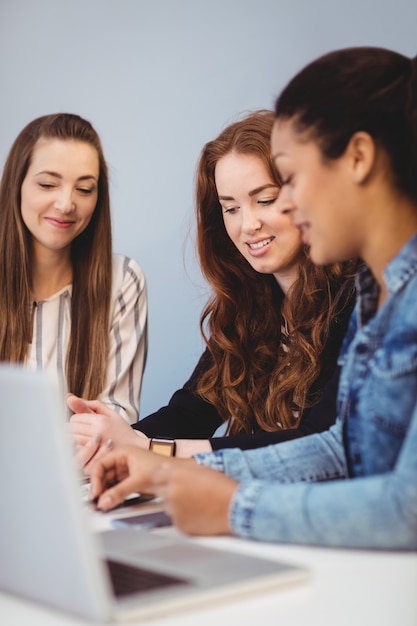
point(361, 152)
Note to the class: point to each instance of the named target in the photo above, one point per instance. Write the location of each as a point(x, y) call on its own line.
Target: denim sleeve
point(377, 511)
point(314, 458)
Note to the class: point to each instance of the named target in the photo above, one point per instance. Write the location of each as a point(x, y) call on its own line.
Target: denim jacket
point(355, 484)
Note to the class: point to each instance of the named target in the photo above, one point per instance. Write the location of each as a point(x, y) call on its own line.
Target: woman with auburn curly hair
point(67, 304)
point(273, 325)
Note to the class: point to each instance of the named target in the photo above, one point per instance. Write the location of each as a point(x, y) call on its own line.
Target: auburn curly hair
point(250, 378)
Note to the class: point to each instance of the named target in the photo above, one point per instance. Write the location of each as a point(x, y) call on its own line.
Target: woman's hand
point(96, 428)
point(125, 470)
point(196, 497)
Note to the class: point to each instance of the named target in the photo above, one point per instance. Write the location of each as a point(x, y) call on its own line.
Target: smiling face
point(325, 203)
point(59, 193)
point(255, 218)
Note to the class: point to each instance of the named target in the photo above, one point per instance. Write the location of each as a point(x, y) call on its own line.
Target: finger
point(117, 494)
point(99, 407)
point(106, 471)
point(82, 432)
point(82, 440)
point(83, 425)
point(78, 405)
point(86, 453)
point(102, 449)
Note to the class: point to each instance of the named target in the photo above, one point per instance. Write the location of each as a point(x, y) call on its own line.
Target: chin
point(321, 257)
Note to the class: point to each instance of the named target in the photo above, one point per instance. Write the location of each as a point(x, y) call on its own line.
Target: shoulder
point(126, 271)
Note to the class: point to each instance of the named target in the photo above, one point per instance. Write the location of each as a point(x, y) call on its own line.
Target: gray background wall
point(159, 78)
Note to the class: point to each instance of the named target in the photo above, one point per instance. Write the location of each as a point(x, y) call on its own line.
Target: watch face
point(166, 448)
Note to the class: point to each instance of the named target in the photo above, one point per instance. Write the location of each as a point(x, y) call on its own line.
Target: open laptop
point(48, 552)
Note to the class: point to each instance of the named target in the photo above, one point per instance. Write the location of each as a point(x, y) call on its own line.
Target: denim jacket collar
point(402, 267)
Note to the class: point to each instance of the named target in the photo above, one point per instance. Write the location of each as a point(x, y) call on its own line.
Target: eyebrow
point(56, 175)
point(253, 192)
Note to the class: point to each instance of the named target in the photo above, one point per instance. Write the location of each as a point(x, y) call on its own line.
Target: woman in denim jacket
point(348, 159)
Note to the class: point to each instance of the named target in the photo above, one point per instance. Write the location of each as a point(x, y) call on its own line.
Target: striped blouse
point(128, 337)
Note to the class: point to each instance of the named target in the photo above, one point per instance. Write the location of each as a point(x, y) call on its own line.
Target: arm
point(317, 457)
point(275, 500)
point(377, 511)
point(94, 424)
point(190, 420)
point(187, 415)
point(128, 339)
point(190, 417)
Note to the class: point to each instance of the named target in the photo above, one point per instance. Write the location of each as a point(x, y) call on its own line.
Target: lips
point(257, 245)
point(59, 223)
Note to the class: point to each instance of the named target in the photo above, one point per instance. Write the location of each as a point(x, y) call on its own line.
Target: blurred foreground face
point(321, 193)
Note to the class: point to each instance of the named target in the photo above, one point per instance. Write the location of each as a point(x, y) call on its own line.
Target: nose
point(250, 220)
point(285, 203)
point(64, 201)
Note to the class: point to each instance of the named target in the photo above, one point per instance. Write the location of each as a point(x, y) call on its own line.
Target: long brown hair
point(91, 255)
point(249, 377)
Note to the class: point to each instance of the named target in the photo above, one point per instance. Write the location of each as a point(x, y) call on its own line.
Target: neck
point(50, 273)
point(393, 228)
point(286, 279)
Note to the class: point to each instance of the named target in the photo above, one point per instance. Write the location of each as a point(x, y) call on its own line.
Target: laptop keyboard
point(129, 579)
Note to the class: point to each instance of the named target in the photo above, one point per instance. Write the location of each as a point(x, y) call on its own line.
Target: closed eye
point(267, 202)
point(86, 191)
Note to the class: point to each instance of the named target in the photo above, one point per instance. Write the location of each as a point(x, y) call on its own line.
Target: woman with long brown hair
point(273, 325)
point(66, 303)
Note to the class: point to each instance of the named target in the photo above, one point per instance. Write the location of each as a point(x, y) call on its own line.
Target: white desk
point(346, 588)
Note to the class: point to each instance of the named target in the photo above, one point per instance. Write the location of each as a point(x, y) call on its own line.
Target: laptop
point(49, 552)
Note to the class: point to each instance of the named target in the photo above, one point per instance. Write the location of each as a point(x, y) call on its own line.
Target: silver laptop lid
point(50, 560)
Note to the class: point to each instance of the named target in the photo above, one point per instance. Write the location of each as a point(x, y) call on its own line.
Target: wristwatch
point(166, 447)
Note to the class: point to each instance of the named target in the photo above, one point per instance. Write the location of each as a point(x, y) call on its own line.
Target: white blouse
point(128, 337)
